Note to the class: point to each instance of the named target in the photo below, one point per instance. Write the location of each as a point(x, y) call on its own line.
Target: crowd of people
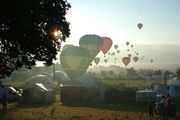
point(162, 108)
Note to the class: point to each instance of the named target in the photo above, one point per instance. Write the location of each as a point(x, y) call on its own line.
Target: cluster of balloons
point(76, 59)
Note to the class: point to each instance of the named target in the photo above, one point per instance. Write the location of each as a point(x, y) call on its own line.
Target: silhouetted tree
point(27, 30)
point(178, 73)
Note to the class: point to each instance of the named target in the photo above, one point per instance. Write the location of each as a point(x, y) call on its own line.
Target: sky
point(159, 39)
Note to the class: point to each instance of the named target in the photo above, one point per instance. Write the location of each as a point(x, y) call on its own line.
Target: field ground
point(82, 111)
point(58, 111)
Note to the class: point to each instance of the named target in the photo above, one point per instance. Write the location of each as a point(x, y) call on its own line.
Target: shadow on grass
point(129, 107)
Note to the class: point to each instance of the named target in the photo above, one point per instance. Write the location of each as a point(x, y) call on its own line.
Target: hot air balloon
point(109, 53)
point(75, 61)
point(129, 55)
point(128, 50)
point(132, 46)
point(93, 43)
point(118, 51)
point(107, 43)
point(105, 60)
point(67, 45)
point(140, 25)
point(97, 60)
point(115, 46)
point(126, 60)
point(135, 59)
point(127, 43)
point(152, 61)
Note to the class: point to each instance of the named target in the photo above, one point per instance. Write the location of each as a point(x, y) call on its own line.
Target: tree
point(30, 31)
point(178, 73)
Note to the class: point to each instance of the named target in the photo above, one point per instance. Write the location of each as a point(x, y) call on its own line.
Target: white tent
point(59, 75)
point(38, 79)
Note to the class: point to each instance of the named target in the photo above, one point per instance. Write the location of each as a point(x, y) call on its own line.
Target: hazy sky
point(159, 39)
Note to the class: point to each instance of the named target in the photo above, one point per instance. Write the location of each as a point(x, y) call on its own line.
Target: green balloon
point(75, 61)
point(93, 43)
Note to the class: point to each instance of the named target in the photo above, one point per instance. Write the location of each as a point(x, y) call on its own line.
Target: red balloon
point(107, 43)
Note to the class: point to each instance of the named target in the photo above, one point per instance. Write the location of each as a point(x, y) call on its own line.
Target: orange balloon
point(107, 43)
point(126, 60)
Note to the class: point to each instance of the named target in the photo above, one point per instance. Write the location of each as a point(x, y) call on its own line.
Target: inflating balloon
point(126, 60)
point(107, 43)
point(140, 25)
point(75, 61)
point(93, 43)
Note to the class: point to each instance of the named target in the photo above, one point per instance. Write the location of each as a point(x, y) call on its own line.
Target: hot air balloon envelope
point(75, 61)
point(107, 43)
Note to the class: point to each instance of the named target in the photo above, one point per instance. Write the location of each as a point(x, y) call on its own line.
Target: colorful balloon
point(93, 43)
point(107, 43)
point(126, 60)
point(75, 61)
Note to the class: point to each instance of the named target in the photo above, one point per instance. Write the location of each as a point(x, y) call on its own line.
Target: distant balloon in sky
point(140, 25)
point(152, 61)
point(75, 61)
point(93, 43)
point(126, 60)
point(129, 55)
point(107, 43)
point(135, 59)
point(127, 43)
point(115, 46)
point(105, 60)
point(128, 50)
point(118, 51)
point(97, 60)
point(132, 46)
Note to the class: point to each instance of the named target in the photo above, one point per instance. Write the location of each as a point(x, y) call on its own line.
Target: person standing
point(4, 100)
point(151, 108)
point(168, 105)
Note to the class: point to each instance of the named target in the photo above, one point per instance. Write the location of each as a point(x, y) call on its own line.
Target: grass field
point(82, 111)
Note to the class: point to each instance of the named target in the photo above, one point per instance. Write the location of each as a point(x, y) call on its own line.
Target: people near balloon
point(107, 43)
point(140, 25)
